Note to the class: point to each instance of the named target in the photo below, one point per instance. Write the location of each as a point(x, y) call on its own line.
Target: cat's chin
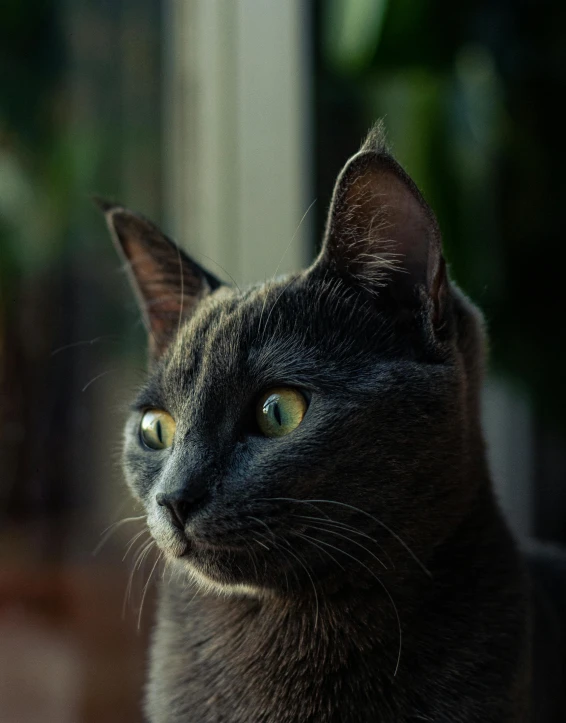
point(193, 561)
point(209, 585)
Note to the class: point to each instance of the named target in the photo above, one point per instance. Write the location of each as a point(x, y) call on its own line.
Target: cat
point(310, 458)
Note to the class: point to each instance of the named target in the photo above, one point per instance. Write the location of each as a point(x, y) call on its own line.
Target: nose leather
point(179, 505)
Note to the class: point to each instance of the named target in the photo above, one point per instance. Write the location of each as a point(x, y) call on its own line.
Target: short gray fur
point(406, 598)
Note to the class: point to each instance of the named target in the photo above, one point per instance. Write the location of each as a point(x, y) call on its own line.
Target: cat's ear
point(167, 283)
point(381, 234)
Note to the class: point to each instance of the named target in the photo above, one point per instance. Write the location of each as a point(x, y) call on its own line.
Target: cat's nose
point(179, 505)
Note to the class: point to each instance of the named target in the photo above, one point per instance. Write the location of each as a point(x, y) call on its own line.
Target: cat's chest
point(238, 669)
point(216, 661)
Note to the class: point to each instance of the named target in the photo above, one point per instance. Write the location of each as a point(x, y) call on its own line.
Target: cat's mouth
point(213, 567)
point(218, 555)
point(188, 545)
point(197, 546)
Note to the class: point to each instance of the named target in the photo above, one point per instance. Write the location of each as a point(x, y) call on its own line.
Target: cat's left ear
point(167, 283)
point(381, 235)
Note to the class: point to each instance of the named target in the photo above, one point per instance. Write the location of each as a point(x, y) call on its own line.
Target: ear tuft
point(376, 140)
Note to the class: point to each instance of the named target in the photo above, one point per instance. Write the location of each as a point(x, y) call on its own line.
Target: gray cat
point(310, 458)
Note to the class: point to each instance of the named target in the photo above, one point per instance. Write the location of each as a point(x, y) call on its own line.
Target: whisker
point(251, 551)
point(143, 554)
point(377, 521)
point(278, 547)
point(301, 563)
point(98, 376)
point(382, 584)
point(385, 527)
point(196, 592)
point(146, 588)
point(315, 543)
point(111, 529)
point(167, 566)
point(293, 237)
point(142, 548)
point(261, 522)
point(293, 499)
point(204, 256)
point(292, 281)
point(354, 542)
point(133, 541)
point(87, 342)
point(347, 528)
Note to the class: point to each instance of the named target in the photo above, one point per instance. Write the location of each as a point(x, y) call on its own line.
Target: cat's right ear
point(167, 283)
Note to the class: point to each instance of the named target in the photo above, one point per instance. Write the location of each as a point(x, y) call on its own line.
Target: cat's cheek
point(140, 467)
point(133, 483)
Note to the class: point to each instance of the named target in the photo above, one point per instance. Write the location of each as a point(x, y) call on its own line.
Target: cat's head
point(314, 429)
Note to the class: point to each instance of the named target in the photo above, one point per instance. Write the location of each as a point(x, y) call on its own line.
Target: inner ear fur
point(381, 233)
point(167, 283)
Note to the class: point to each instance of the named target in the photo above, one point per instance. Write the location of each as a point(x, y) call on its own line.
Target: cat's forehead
point(285, 331)
point(232, 327)
point(230, 349)
point(315, 335)
point(289, 307)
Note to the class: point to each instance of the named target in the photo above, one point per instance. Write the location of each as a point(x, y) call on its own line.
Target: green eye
point(280, 411)
point(157, 429)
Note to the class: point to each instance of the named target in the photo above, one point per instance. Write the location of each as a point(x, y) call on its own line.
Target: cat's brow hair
point(281, 349)
point(195, 328)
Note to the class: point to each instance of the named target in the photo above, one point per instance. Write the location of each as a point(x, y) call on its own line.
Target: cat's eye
point(280, 411)
point(157, 429)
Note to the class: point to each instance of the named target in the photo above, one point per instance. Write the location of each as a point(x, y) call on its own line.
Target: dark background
point(471, 93)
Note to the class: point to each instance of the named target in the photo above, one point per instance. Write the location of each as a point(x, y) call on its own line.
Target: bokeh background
point(227, 122)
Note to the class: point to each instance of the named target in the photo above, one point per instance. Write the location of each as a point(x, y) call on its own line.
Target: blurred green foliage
point(79, 115)
point(80, 91)
point(469, 93)
point(31, 62)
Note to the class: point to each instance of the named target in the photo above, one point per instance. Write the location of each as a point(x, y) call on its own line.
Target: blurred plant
point(468, 94)
point(79, 113)
point(351, 33)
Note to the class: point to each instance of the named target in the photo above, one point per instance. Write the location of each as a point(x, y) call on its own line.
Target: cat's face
point(311, 430)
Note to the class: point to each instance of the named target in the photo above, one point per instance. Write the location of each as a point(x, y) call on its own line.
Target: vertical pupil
point(159, 431)
point(277, 413)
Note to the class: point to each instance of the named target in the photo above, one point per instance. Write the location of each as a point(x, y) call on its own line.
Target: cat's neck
point(274, 653)
point(271, 659)
point(321, 614)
